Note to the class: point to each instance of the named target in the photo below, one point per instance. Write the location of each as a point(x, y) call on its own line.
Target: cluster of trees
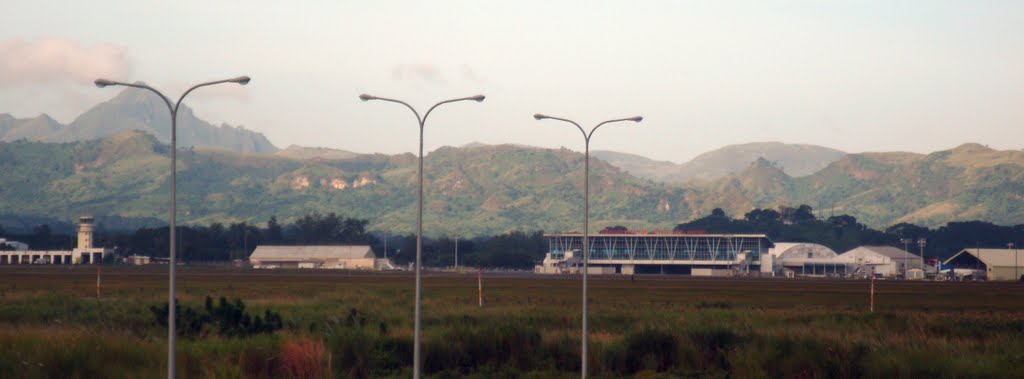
point(220, 242)
point(217, 242)
point(844, 232)
point(521, 250)
point(41, 238)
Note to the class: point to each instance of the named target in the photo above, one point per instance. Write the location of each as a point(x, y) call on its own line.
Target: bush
point(228, 319)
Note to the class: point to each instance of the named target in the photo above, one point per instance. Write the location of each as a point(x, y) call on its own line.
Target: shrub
point(229, 319)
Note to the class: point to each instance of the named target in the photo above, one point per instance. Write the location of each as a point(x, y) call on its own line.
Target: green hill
point(469, 191)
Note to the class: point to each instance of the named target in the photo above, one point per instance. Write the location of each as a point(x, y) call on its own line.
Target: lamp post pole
point(419, 216)
point(242, 80)
point(586, 217)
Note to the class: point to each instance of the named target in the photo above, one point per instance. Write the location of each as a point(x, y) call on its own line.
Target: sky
point(858, 76)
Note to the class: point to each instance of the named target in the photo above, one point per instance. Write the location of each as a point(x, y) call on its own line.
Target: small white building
point(884, 260)
point(324, 257)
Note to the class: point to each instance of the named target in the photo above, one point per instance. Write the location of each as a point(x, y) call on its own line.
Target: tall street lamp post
point(242, 80)
point(586, 216)
point(419, 216)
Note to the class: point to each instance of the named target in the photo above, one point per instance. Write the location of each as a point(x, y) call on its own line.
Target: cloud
point(433, 73)
point(469, 74)
point(425, 72)
point(57, 60)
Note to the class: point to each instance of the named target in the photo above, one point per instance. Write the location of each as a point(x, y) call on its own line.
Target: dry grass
point(304, 358)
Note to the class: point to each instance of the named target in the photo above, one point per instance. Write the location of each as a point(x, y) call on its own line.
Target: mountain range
point(112, 162)
point(794, 159)
point(487, 189)
point(135, 109)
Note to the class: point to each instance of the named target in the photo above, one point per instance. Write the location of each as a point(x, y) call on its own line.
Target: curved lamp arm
point(365, 97)
point(242, 80)
point(586, 136)
point(634, 119)
point(421, 120)
point(477, 98)
point(539, 116)
point(104, 83)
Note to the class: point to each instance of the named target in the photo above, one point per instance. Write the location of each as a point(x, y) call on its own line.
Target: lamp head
point(365, 97)
point(636, 119)
point(243, 80)
point(103, 83)
point(539, 116)
point(477, 98)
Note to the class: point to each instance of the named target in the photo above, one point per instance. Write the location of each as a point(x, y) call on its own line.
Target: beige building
point(884, 260)
point(324, 257)
point(85, 253)
point(989, 264)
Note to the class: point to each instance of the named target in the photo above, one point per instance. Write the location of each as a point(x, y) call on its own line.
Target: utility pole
point(872, 295)
point(906, 242)
point(977, 248)
point(1016, 276)
point(456, 252)
point(920, 243)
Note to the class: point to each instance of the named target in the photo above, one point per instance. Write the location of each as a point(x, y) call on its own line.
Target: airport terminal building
point(85, 253)
point(668, 251)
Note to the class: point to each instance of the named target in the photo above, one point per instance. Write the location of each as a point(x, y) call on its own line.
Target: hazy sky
point(858, 75)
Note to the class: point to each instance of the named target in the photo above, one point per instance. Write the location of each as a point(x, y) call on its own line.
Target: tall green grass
point(339, 326)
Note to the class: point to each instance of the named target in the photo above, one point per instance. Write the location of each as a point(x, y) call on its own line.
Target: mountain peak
point(132, 95)
point(140, 109)
point(762, 167)
point(306, 153)
point(972, 147)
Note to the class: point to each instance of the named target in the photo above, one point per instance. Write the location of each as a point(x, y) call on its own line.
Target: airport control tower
point(85, 231)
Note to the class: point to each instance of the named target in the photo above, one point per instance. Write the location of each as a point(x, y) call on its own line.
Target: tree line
point(519, 249)
point(843, 232)
point(219, 242)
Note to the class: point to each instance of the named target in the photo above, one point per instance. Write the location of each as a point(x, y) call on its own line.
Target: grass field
point(340, 324)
